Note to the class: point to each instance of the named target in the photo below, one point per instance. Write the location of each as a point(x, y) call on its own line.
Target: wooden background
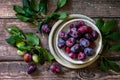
point(12, 66)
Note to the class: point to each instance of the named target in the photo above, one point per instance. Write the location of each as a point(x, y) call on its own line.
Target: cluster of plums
point(79, 41)
point(34, 58)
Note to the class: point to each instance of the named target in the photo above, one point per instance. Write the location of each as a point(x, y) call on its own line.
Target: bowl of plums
point(76, 40)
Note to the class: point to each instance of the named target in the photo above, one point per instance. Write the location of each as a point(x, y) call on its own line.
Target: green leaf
point(11, 41)
point(104, 65)
point(51, 16)
point(47, 55)
point(41, 58)
point(106, 45)
point(43, 6)
point(29, 12)
point(27, 8)
point(106, 34)
point(104, 42)
point(18, 38)
point(39, 26)
point(34, 5)
point(114, 36)
point(39, 52)
point(61, 3)
point(114, 66)
point(26, 3)
point(32, 39)
point(63, 15)
point(16, 35)
point(56, 16)
point(14, 30)
point(99, 23)
point(115, 47)
point(109, 25)
point(108, 64)
point(23, 18)
point(25, 48)
point(18, 9)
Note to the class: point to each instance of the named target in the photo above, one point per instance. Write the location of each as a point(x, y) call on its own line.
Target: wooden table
point(12, 66)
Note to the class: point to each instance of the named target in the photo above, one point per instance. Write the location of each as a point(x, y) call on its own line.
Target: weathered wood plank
point(93, 8)
point(10, 53)
point(17, 70)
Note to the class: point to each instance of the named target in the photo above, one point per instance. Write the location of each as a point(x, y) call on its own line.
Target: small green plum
point(20, 44)
point(21, 53)
point(35, 58)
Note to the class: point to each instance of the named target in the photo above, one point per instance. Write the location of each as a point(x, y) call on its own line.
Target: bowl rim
point(57, 56)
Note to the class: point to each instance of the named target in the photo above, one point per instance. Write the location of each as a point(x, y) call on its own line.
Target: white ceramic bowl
point(60, 55)
point(98, 42)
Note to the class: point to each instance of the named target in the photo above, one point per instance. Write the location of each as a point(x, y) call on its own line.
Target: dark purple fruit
point(73, 29)
point(82, 29)
point(89, 29)
point(92, 44)
point(45, 28)
point(89, 51)
point(82, 48)
point(55, 68)
point(70, 42)
point(63, 35)
point(73, 33)
point(94, 34)
point(84, 42)
point(75, 48)
point(88, 36)
point(80, 23)
point(81, 56)
point(72, 55)
point(72, 26)
point(61, 43)
point(31, 69)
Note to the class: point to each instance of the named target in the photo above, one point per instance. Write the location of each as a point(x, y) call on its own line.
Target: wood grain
point(93, 8)
point(17, 70)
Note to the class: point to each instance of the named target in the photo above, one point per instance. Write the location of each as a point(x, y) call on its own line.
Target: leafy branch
point(29, 43)
point(109, 35)
point(34, 11)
